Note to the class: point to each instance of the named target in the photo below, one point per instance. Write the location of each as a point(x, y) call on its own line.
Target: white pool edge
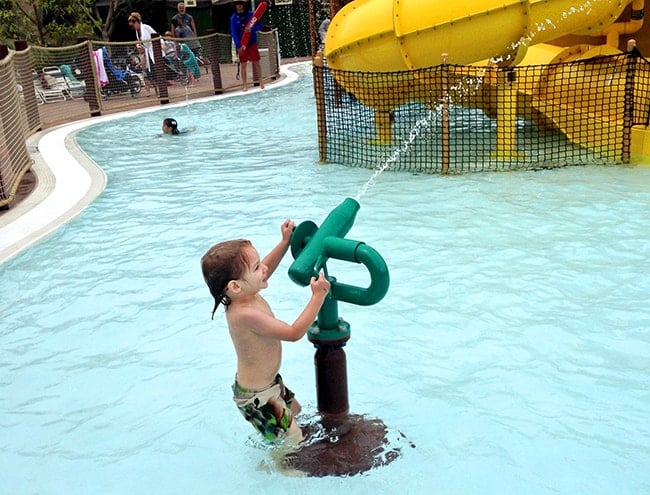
point(67, 180)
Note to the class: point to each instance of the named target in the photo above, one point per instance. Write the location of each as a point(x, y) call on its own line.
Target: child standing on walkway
point(235, 276)
point(190, 63)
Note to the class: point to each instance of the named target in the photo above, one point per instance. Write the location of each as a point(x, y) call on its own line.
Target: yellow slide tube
point(394, 35)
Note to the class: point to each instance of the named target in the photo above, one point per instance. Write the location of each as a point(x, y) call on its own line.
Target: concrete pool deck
point(65, 183)
point(63, 180)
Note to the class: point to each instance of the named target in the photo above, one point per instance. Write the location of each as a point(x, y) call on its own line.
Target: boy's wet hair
point(172, 124)
point(222, 263)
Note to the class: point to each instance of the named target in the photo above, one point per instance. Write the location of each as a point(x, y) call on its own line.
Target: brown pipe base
point(355, 445)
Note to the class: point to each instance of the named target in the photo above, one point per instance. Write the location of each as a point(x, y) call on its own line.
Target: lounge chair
point(48, 89)
point(76, 88)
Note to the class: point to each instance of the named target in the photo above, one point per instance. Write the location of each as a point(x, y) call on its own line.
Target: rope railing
point(14, 159)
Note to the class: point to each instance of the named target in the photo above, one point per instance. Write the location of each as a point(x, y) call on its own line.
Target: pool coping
point(67, 180)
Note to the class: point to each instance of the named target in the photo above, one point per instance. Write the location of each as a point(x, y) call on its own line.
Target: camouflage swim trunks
point(268, 409)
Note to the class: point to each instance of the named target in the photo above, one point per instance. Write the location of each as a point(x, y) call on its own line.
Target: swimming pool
point(511, 349)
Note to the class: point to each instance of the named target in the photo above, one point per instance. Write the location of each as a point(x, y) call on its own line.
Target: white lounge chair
point(48, 89)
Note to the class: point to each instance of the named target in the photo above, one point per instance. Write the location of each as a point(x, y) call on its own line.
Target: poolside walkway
point(63, 180)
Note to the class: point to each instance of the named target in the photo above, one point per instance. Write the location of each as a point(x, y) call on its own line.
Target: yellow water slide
point(401, 36)
point(394, 35)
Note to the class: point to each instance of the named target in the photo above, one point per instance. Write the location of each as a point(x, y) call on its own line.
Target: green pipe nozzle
point(312, 247)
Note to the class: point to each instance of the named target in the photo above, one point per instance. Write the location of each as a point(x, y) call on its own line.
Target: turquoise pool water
point(512, 348)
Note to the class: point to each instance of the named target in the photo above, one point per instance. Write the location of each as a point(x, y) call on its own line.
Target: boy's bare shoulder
point(248, 314)
point(250, 306)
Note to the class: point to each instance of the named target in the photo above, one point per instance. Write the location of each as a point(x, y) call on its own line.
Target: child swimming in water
point(170, 126)
point(235, 276)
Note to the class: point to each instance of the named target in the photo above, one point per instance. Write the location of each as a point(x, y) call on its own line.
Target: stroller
point(119, 80)
point(175, 70)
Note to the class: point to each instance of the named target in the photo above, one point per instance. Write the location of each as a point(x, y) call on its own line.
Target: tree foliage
point(58, 22)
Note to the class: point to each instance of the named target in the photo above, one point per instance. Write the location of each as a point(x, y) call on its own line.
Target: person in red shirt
point(238, 25)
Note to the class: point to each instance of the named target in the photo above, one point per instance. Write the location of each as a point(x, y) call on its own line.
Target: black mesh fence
point(455, 119)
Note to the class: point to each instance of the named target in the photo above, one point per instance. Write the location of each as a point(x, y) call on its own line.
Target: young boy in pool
point(235, 276)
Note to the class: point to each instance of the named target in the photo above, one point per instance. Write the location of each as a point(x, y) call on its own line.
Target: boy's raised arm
point(266, 324)
point(272, 260)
